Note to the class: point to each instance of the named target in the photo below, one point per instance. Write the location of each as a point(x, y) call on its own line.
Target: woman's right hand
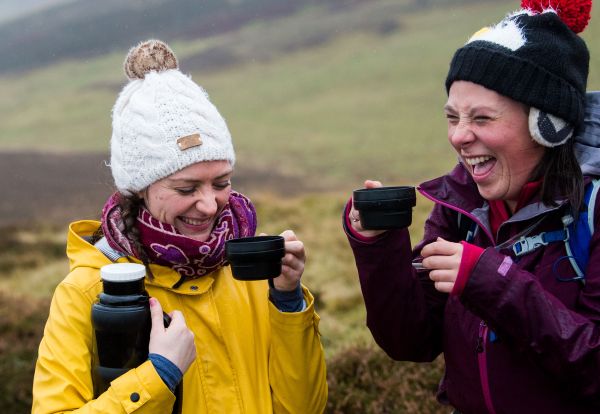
point(176, 343)
point(353, 214)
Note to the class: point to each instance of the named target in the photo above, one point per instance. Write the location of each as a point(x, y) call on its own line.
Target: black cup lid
point(254, 258)
point(248, 257)
point(385, 193)
point(392, 204)
point(255, 244)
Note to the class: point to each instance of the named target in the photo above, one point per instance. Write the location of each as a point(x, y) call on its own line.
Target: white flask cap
point(122, 272)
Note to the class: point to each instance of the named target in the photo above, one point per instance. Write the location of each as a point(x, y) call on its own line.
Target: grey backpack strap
point(587, 140)
point(108, 251)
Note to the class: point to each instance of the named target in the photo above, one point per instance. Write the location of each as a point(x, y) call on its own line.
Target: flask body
point(121, 322)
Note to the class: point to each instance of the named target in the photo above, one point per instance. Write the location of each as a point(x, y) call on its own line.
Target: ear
point(548, 130)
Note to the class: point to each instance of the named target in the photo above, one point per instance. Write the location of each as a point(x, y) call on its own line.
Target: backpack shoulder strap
point(466, 227)
point(581, 231)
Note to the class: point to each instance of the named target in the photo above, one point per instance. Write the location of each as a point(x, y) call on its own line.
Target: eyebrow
point(450, 108)
point(193, 180)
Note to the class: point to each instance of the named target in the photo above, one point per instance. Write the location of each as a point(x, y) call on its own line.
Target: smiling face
point(191, 199)
point(490, 132)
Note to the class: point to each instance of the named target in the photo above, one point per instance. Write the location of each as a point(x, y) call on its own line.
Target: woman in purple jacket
point(518, 326)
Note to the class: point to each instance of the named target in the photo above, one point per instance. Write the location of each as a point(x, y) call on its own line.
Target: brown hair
point(130, 208)
point(561, 175)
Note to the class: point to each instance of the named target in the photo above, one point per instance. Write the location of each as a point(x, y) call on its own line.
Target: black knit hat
point(533, 57)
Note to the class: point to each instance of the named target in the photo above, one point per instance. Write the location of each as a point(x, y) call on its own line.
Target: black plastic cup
point(385, 208)
point(255, 258)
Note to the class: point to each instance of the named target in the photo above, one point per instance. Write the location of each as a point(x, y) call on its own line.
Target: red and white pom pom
point(574, 13)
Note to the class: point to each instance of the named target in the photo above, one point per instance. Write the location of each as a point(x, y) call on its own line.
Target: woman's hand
point(292, 263)
point(442, 258)
point(354, 217)
point(176, 343)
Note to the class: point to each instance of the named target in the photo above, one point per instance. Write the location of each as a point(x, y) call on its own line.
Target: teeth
point(191, 221)
point(477, 160)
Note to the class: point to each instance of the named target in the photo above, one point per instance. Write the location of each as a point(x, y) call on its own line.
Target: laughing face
point(191, 199)
point(490, 133)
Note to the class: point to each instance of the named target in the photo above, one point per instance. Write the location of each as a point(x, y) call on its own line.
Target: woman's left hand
point(292, 263)
point(442, 258)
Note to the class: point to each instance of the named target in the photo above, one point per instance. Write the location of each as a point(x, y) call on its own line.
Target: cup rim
point(254, 244)
point(387, 204)
point(384, 193)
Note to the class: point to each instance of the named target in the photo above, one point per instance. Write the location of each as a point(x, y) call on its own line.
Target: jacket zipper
point(461, 211)
point(483, 329)
point(482, 362)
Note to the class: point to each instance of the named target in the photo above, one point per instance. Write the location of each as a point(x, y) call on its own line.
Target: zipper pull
point(479, 348)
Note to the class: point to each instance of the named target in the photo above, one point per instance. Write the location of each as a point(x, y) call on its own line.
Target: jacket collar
point(458, 191)
point(83, 254)
point(456, 188)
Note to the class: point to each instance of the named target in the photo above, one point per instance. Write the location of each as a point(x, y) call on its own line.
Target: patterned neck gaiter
point(164, 245)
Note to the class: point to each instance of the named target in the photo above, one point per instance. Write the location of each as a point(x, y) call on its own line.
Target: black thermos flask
point(121, 321)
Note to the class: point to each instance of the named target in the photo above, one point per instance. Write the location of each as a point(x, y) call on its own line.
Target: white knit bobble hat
point(162, 121)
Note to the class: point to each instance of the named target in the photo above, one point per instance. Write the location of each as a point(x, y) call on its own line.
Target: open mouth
point(194, 222)
point(480, 165)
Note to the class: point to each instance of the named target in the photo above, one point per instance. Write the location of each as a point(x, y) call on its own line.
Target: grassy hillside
point(365, 103)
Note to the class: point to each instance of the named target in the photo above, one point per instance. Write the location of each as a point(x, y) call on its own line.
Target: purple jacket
point(517, 340)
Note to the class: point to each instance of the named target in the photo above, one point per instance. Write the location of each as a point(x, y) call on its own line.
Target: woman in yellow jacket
point(235, 346)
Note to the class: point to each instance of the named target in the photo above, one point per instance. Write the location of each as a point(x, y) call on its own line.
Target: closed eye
point(452, 119)
point(186, 190)
point(222, 186)
point(482, 119)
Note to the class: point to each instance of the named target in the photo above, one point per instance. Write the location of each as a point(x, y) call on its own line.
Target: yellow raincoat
point(251, 358)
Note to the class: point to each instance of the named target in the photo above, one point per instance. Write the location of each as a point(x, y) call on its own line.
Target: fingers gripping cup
point(385, 208)
point(255, 258)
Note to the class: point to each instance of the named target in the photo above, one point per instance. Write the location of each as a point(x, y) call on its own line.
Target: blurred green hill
point(337, 91)
point(83, 28)
point(35, 33)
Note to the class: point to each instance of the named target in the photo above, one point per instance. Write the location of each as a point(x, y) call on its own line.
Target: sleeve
point(564, 341)
point(287, 301)
point(404, 310)
point(63, 381)
point(297, 372)
point(470, 256)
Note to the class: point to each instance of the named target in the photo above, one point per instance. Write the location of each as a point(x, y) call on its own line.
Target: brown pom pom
point(148, 56)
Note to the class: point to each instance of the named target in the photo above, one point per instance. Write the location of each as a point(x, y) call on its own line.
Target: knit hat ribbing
point(532, 57)
point(162, 121)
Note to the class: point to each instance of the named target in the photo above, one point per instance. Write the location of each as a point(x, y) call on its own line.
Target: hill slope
point(331, 94)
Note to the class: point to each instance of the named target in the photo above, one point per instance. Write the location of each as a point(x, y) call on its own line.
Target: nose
point(206, 202)
point(460, 134)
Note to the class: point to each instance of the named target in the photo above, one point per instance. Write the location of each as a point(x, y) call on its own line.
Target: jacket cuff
point(287, 301)
point(469, 259)
point(350, 230)
point(294, 321)
point(489, 282)
point(140, 386)
point(168, 371)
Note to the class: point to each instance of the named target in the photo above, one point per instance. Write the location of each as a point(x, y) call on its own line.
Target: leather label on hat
point(189, 141)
